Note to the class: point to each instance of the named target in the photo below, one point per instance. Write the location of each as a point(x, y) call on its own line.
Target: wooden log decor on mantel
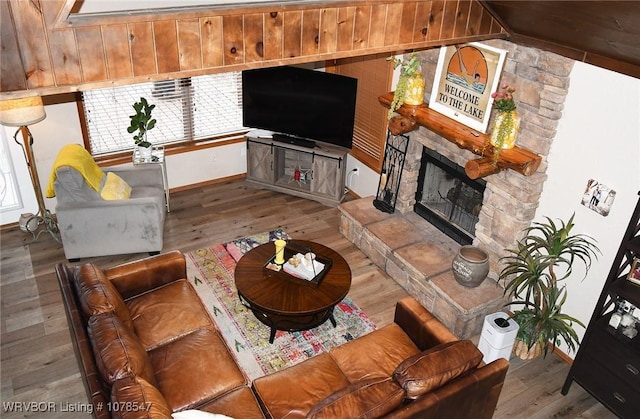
point(519, 159)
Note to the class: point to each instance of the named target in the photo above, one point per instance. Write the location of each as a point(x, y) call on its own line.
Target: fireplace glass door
point(447, 198)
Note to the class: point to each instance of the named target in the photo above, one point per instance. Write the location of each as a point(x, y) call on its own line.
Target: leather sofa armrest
point(420, 325)
point(473, 395)
point(140, 276)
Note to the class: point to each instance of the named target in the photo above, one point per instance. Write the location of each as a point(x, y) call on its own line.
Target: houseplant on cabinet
point(533, 276)
point(141, 123)
point(410, 86)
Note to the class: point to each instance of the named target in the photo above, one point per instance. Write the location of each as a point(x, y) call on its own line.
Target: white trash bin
point(497, 337)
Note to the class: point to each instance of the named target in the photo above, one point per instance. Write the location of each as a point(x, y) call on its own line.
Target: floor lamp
point(21, 113)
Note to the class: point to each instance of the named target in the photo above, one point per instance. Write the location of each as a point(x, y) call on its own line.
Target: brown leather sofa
point(147, 347)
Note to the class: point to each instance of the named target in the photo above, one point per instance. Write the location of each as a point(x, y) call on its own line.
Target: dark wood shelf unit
point(607, 364)
point(519, 159)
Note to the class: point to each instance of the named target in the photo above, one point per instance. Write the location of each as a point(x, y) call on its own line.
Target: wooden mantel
point(519, 159)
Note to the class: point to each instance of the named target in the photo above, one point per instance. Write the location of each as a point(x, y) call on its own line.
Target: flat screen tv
point(300, 104)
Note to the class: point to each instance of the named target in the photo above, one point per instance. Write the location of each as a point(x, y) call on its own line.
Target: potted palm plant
point(533, 276)
point(141, 123)
point(410, 86)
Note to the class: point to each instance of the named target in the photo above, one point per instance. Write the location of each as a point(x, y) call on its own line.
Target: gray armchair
point(91, 226)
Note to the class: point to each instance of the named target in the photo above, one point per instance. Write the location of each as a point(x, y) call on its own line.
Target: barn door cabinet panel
point(607, 364)
point(315, 173)
point(328, 177)
point(259, 162)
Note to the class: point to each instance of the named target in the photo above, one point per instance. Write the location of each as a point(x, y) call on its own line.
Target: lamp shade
point(21, 112)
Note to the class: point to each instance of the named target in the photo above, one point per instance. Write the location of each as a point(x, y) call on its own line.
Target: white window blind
point(370, 126)
point(186, 109)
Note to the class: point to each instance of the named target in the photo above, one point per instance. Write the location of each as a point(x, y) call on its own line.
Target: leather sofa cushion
point(195, 368)
point(170, 311)
point(144, 275)
point(167, 313)
point(371, 398)
point(374, 355)
point(198, 414)
point(435, 367)
point(117, 351)
point(98, 295)
point(293, 392)
point(138, 399)
point(239, 403)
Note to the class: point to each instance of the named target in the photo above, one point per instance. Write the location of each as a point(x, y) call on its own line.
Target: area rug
point(211, 269)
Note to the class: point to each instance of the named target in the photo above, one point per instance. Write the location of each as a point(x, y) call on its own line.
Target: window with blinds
point(370, 127)
point(187, 110)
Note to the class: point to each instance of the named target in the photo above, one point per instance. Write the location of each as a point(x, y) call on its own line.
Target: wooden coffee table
point(290, 304)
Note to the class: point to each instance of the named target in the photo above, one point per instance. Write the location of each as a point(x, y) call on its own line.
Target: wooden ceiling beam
point(49, 53)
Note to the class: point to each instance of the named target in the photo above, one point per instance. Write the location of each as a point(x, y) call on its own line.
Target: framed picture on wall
point(466, 76)
point(598, 197)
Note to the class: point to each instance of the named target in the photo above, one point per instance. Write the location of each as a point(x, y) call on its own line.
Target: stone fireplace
point(417, 255)
point(510, 199)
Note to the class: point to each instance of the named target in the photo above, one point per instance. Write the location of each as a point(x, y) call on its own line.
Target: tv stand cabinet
point(315, 173)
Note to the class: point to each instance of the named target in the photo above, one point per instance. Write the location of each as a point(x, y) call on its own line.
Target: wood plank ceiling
point(46, 49)
point(602, 33)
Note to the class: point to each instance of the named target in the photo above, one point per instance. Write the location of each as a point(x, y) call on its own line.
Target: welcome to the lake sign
point(466, 76)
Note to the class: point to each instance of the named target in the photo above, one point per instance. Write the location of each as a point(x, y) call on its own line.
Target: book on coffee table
point(302, 270)
point(293, 269)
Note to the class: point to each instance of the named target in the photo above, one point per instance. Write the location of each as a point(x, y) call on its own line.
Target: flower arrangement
point(507, 121)
point(408, 69)
point(503, 99)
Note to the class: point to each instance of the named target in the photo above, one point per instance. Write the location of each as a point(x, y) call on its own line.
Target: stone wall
point(541, 80)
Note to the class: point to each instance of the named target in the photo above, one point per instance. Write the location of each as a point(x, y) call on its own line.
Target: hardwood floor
point(38, 366)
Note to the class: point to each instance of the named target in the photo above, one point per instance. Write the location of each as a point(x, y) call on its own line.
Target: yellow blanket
point(76, 156)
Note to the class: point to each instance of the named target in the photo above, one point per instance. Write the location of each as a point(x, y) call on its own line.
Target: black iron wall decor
point(394, 156)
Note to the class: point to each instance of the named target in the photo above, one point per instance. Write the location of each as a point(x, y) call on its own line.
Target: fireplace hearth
point(447, 197)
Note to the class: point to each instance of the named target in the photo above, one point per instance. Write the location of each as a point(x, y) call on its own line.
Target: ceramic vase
point(415, 90)
point(279, 244)
point(470, 266)
point(28, 222)
point(145, 153)
point(505, 130)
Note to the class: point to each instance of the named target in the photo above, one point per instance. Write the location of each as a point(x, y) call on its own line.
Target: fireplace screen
point(447, 198)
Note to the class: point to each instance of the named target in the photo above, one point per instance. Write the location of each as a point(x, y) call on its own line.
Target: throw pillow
point(198, 414)
point(115, 188)
point(435, 367)
point(366, 399)
point(97, 294)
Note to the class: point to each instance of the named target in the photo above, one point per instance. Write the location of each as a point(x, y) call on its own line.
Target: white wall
point(365, 182)
point(106, 6)
point(598, 138)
